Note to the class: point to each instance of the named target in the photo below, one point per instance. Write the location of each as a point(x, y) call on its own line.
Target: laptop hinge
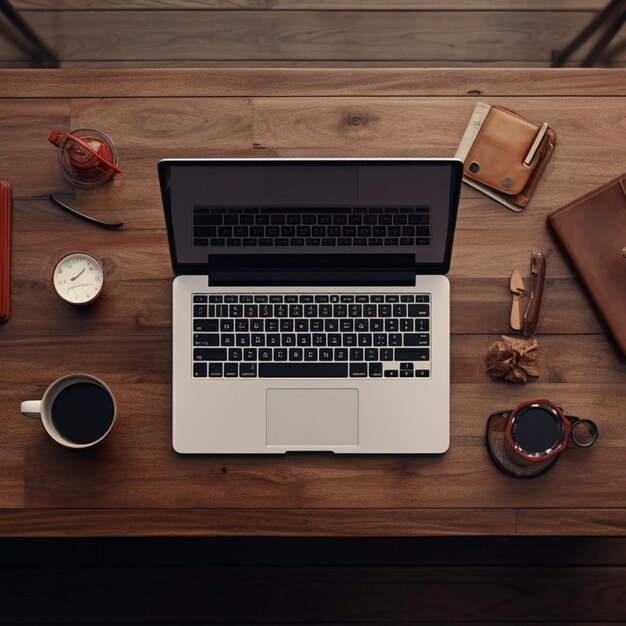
point(311, 269)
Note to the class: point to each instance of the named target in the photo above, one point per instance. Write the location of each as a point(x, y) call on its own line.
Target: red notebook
point(5, 250)
point(593, 231)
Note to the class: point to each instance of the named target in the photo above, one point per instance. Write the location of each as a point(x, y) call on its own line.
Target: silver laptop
point(310, 304)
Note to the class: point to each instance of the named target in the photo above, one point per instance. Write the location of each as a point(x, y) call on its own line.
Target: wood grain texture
point(249, 82)
point(11, 475)
point(135, 484)
point(293, 35)
point(317, 5)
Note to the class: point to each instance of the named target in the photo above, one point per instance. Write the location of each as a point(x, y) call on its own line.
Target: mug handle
point(31, 408)
point(588, 425)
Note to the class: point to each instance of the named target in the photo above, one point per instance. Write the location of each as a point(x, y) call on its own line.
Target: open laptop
point(310, 306)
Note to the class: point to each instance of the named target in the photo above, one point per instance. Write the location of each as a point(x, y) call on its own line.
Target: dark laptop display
point(343, 209)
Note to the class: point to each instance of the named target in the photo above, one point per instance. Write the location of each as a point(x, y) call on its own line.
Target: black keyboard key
point(412, 354)
point(199, 310)
point(407, 298)
point(406, 366)
point(230, 370)
point(418, 310)
point(376, 370)
point(358, 370)
point(209, 354)
point(371, 354)
point(276, 298)
point(365, 339)
point(231, 299)
point(422, 325)
point(288, 340)
point(377, 325)
point(356, 354)
point(296, 354)
point(260, 299)
point(256, 326)
point(361, 325)
point(412, 339)
point(227, 326)
point(216, 299)
point(333, 339)
point(235, 354)
point(285, 325)
point(392, 298)
point(349, 339)
point(384, 310)
point(341, 354)
point(325, 354)
point(199, 299)
point(406, 373)
point(242, 326)
point(306, 299)
point(199, 370)
point(265, 354)
point(303, 339)
point(289, 299)
point(391, 373)
point(280, 354)
point(303, 370)
point(301, 326)
point(391, 325)
point(228, 339)
point(310, 354)
point(421, 373)
point(250, 354)
point(406, 325)
point(317, 326)
point(377, 298)
point(380, 339)
point(210, 326)
point(394, 339)
point(386, 354)
point(247, 370)
point(215, 370)
point(206, 339)
point(272, 340)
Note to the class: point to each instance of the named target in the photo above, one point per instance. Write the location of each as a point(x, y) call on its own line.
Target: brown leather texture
point(5, 251)
point(592, 229)
point(499, 151)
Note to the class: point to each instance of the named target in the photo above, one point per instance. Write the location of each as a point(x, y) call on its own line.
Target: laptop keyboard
point(311, 335)
point(225, 226)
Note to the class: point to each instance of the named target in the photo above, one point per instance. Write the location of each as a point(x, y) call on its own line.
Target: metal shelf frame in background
point(612, 18)
point(25, 38)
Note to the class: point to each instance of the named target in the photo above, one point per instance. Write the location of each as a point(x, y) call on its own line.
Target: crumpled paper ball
point(513, 359)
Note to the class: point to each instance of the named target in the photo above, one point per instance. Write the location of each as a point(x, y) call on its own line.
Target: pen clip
point(536, 143)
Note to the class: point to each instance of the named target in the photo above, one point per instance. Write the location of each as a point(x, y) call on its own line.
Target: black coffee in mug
point(537, 431)
point(83, 412)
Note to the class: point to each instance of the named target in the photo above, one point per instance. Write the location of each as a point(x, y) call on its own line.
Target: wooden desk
point(135, 484)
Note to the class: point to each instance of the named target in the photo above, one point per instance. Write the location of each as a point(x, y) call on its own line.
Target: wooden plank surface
point(135, 484)
point(289, 31)
point(313, 5)
point(307, 35)
point(249, 82)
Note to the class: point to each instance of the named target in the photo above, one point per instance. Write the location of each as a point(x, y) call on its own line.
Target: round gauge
point(78, 278)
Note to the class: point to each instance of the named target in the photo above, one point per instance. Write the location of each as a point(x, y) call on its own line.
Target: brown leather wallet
point(5, 251)
point(509, 155)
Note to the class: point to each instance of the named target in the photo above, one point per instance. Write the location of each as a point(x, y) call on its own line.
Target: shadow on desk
point(271, 581)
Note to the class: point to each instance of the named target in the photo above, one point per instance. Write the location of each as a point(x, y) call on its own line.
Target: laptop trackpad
point(312, 417)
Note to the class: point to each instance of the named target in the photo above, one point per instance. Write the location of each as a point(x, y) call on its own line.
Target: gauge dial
point(78, 278)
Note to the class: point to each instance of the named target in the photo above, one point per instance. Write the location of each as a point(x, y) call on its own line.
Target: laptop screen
point(319, 206)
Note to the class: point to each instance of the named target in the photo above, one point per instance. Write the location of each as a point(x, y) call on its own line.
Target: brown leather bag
point(5, 251)
point(496, 158)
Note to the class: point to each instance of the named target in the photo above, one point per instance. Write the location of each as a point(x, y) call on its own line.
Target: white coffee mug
point(77, 411)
